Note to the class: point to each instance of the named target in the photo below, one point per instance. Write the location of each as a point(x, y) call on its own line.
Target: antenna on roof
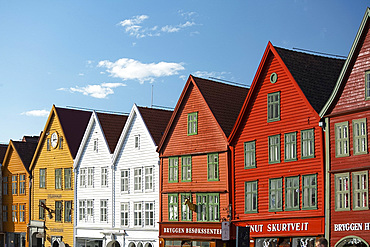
point(102, 111)
point(321, 53)
point(232, 82)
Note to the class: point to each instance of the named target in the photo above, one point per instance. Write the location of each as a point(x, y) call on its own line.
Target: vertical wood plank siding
point(295, 116)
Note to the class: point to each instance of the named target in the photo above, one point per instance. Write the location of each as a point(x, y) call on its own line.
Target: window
point(124, 214)
point(137, 214)
point(273, 107)
point(359, 136)
point(212, 167)
point(249, 154)
point(208, 207)
point(290, 140)
point(292, 193)
point(90, 176)
point(186, 168)
point(83, 177)
point(5, 185)
point(42, 204)
point(173, 169)
point(82, 210)
point(192, 123)
point(48, 144)
point(137, 179)
point(104, 210)
point(173, 210)
point(309, 188)
point(58, 178)
point(367, 85)
point(342, 195)
point(104, 176)
point(61, 142)
point(341, 139)
point(43, 178)
point(186, 213)
point(149, 214)
point(68, 211)
point(14, 184)
point(90, 210)
point(96, 145)
point(137, 141)
point(67, 178)
point(251, 195)
point(22, 184)
point(5, 213)
point(360, 190)
point(124, 180)
point(274, 149)
point(276, 195)
point(148, 178)
point(22, 211)
point(308, 144)
point(58, 211)
point(15, 213)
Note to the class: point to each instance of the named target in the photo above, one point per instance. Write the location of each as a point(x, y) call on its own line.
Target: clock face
point(54, 139)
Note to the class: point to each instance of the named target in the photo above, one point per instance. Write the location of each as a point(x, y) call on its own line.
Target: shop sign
point(213, 230)
point(352, 227)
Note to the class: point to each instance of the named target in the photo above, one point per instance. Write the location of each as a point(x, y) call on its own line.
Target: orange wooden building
point(278, 149)
point(16, 192)
point(3, 148)
point(347, 115)
point(195, 164)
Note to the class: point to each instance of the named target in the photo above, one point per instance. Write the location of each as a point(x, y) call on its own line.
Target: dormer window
point(137, 141)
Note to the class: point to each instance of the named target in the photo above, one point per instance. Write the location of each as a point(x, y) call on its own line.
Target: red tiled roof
point(74, 123)
point(112, 125)
point(224, 100)
point(156, 121)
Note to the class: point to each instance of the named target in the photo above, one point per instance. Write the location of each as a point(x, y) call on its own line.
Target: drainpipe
point(327, 179)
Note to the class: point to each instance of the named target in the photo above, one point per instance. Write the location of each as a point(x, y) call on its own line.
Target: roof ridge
point(309, 54)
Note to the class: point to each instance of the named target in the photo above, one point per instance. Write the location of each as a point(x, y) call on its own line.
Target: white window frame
point(149, 214)
point(138, 214)
point(83, 177)
point(342, 192)
point(104, 210)
point(104, 177)
point(137, 142)
point(125, 180)
point(359, 136)
point(360, 190)
point(149, 170)
point(90, 177)
point(138, 179)
point(125, 214)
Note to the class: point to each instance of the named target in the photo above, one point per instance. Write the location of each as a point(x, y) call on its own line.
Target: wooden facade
point(278, 151)
point(52, 195)
point(347, 118)
point(195, 163)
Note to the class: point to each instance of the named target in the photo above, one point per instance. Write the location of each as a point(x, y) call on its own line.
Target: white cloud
point(96, 91)
point(81, 74)
point(130, 69)
point(187, 15)
point(36, 113)
point(135, 28)
point(206, 74)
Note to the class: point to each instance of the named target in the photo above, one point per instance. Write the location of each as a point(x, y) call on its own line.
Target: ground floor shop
point(179, 234)
point(351, 234)
point(15, 239)
point(301, 232)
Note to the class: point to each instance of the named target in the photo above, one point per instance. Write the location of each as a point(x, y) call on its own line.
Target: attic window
point(192, 123)
point(96, 145)
point(61, 142)
point(273, 77)
point(48, 144)
point(137, 141)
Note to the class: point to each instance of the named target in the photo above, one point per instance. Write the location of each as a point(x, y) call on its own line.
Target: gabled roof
point(3, 148)
point(25, 150)
point(315, 75)
point(112, 126)
point(156, 121)
point(361, 33)
point(223, 100)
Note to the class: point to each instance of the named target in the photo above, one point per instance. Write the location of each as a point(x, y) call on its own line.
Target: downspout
point(327, 179)
point(75, 207)
point(29, 208)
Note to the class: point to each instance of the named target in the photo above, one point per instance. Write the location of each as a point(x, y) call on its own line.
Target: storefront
point(191, 234)
point(285, 233)
point(354, 234)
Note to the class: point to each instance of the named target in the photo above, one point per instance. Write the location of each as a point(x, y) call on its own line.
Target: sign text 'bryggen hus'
point(192, 230)
point(352, 227)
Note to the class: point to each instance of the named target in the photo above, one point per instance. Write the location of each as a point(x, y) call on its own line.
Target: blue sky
point(107, 55)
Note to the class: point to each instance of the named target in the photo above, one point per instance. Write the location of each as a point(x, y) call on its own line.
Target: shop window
point(208, 207)
point(250, 154)
point(308, 144)
point(342, 194)
point(360, 190)
point(192, 123)
point(266, 242)
point(276, 195)
point(359, 136)
point(212, 167)
point(341, 139)
point(173, 207)
point(304, 241)
point(309, 195)
point(273, 107)
point(186, 168)
point(251, 197)
point(290, 143)
point(186, 213)
point(173, 169)
point(352, 241)
point(274, 149)
point(292, 193)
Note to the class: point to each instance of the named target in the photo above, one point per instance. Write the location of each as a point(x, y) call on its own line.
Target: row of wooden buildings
point(287, 157)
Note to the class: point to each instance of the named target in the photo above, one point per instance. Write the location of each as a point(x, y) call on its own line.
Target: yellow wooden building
point(52, 193)
point(16, 193)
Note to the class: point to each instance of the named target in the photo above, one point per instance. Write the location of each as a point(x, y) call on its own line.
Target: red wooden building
point(278, 152)
point(195, 164)
point(347, 127)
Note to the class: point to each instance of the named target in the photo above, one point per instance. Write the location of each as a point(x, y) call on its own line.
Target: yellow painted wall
point(55, 158)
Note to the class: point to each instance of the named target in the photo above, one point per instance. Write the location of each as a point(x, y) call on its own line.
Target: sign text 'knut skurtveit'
point(352, 227)
point(280, 227)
